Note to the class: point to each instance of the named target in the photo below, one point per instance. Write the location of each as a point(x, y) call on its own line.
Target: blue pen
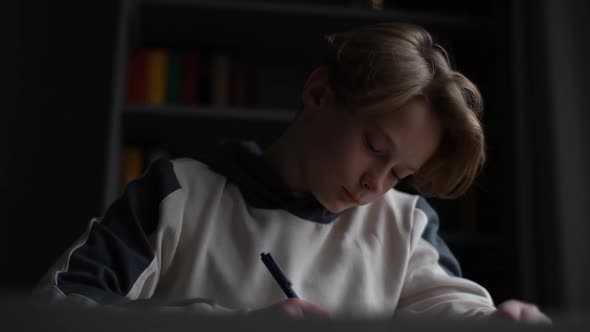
point(277, 273)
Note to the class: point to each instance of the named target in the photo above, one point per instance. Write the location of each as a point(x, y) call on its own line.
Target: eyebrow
point(394, 145)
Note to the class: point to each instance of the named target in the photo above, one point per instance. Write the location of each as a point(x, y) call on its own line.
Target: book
point(190, 78)
point(220, 78)
point(240, 83)
point(132, 165)
point(173, 78)
point(157, 60)
point(136, 77)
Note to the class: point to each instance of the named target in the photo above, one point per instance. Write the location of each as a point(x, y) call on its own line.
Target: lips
point(350, 196)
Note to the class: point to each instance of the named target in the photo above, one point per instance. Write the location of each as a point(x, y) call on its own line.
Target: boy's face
point(351, 158)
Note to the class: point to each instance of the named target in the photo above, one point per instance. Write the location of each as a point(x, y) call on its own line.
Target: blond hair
point(384, 66)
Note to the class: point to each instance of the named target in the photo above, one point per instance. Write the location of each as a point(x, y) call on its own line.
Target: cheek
point(349, 157)
point(338, 154)
point(321, 158)
point(329, 159)
point(357, 165)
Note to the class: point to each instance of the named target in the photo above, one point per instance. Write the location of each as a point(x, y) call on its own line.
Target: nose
point(370, 183)
point(377, 181)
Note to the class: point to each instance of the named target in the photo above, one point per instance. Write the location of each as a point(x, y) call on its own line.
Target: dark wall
point(568, 73)
point(53, 130)
point(550, 72)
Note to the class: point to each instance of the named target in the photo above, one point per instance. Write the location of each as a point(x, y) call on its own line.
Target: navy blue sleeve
point(117, 250)
point(431, 234)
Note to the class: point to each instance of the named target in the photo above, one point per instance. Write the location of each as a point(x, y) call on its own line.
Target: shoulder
point(411, 213)
point(393, 212)
point(402, 204)
point(192, 172)
point(400, 200)
point(188, 166)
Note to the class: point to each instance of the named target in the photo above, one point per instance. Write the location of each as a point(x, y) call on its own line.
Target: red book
point(136, 78)
point(190, 78)
point(241, 82)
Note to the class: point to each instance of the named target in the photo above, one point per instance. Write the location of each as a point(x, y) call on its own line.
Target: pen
point(277, 273)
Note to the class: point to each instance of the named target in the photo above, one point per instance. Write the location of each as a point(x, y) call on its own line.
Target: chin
point(336, 207)
point(335, 210)
point(332, 205)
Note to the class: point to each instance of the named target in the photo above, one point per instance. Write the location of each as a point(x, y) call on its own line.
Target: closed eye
point(378, 152)
point(370, 145)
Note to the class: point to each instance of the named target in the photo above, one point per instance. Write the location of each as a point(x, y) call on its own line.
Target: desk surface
point(17, 315)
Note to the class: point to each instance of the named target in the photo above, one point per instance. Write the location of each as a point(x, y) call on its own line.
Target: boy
point(384, 106)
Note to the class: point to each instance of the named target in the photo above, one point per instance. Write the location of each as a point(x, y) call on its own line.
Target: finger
point(312, 309)
point(532, 314)
point(510, 309)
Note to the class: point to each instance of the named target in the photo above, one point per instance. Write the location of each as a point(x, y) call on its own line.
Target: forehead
point(414, 117)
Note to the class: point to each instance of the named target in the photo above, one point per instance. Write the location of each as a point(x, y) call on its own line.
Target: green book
point(173, 79)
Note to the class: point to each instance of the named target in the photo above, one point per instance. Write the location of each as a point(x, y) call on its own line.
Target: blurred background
point(95, 90)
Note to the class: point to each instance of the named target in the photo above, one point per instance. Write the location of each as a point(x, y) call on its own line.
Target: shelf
point(182, 129)
point(326, 11)
point(279, 28)
point(279, 116)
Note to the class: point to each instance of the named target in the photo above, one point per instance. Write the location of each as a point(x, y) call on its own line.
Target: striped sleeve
point(430, 286)
point(120, 257)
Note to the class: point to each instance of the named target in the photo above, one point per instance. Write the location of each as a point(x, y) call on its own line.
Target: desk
point(17, 315)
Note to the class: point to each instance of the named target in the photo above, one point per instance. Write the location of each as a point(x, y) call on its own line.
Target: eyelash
point(372, 148)
point(368, 142)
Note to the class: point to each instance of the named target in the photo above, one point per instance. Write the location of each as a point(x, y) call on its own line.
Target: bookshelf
point(280, 40)
point(179, 129)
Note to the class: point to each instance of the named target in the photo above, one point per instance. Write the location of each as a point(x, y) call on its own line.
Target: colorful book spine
point(173, 79)
point(191, 78)
point(157, 61)
point(158, 77)
point(240, 95)
point(132, 165)
point(136, 78)
point(220, 75)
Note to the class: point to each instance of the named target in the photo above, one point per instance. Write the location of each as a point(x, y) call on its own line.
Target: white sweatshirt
point(189, 234)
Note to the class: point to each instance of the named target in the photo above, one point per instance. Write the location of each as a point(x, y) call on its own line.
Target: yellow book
point(220, 71)
point(157, 65)
point(132, 165)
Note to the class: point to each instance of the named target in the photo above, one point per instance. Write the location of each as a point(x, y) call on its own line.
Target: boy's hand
point(521, 312)
point(293, 308)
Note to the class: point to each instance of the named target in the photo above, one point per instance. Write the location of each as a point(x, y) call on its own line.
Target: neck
point(284, 157)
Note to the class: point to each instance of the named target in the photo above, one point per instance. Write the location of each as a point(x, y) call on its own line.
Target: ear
point(317, 93)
